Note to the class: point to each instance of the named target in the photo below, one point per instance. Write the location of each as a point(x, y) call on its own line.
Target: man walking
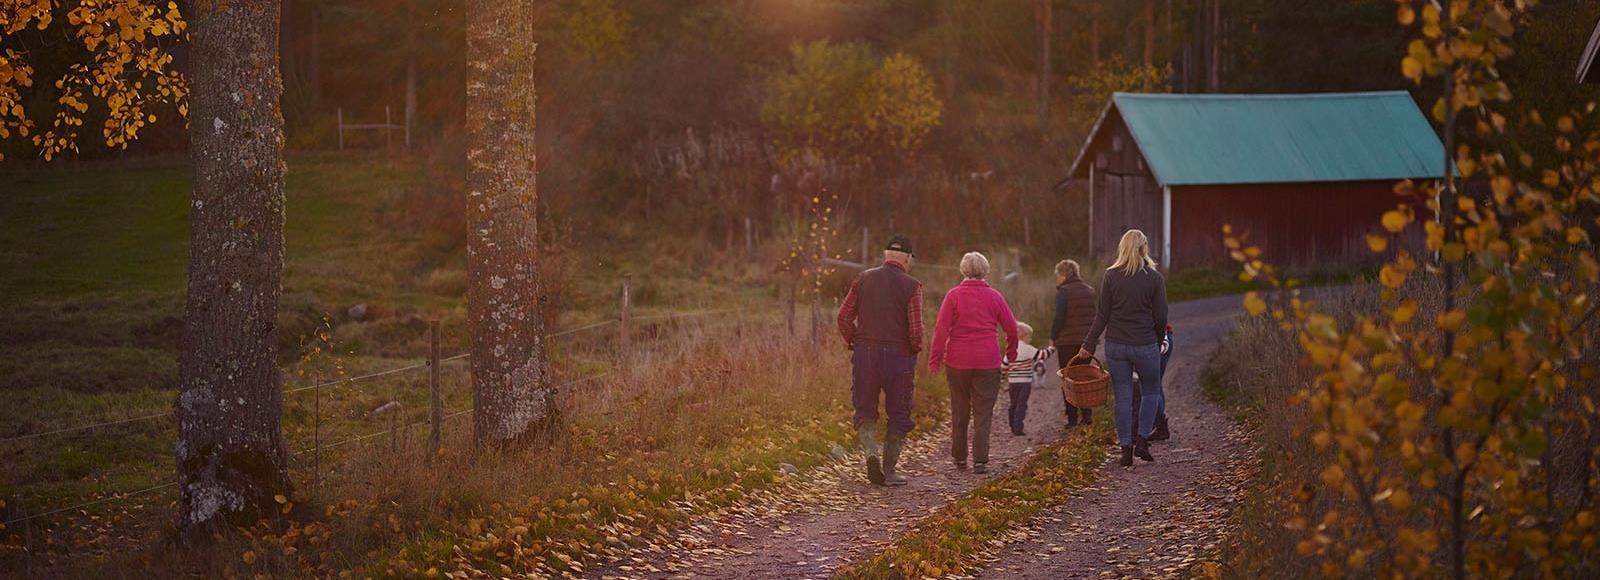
point(881, 322)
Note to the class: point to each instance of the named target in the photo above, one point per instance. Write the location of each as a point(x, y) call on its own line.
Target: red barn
point(1307, 176)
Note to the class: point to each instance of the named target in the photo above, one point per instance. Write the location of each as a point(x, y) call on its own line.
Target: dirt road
point(1154, 519)
point(1149, 514)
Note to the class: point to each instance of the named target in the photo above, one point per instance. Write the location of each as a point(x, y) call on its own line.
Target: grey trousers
point(972, 396)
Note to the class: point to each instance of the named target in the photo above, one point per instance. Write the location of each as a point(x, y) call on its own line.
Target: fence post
point(436, 414)
point(27, 530)
point(388, 129)
point(341, 128)
point(792, 285)
point(816, 320)
point(1027, 232)
point(865, 262)
point(749, 238)
point(626, 314)
point(316, 430)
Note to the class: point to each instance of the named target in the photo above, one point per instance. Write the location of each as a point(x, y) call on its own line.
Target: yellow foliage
point(123, 38)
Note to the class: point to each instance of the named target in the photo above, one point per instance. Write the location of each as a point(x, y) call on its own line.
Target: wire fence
point(317, 448)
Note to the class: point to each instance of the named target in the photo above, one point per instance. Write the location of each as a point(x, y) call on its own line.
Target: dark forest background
point(661, 113)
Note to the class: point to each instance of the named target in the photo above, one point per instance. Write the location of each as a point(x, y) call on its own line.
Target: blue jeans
point(891, 372)
point(1019, 405)
point(1123, 360)
point(1161, 414)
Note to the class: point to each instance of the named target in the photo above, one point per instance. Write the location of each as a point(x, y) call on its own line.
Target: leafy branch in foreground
point(1458, 422)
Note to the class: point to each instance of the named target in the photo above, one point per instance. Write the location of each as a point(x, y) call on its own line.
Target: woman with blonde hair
point(1132, 313)
point(965, 341)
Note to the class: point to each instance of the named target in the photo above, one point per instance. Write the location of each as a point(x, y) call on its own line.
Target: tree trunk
point(314, 79)
point(1094, 40)
point(512, 396)
point(1149, 33)
point(1214, 83)
point(411, 70)
point(1046, 11)
point(952, 48)
point(230, 453)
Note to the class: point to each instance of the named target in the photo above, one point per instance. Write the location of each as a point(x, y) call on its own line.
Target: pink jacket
point(964, 336)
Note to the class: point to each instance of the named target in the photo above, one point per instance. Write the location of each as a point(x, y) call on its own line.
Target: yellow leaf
point(1392, 277)
point(1254, 304)
point(1377, 243)
point(1575, 235)
point(280, 499)
point(1394, 221)
point(249, 557)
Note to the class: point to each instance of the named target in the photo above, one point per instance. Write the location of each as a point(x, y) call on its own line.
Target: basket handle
point(1092, 360)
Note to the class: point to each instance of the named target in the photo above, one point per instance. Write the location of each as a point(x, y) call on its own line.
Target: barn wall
point(1300, 224)
point(1124, 194)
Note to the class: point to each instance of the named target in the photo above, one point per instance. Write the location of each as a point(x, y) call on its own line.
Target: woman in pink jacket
point(964, 341)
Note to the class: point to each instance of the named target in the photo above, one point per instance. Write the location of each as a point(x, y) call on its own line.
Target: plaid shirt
point(848, 311)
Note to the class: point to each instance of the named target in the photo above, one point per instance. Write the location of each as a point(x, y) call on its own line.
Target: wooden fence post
point(626, 315)
point(816, 320)
point(341, 128)
point(865, 262)
point(436, 414)
point(749, 238)
point(388, 129)
point(792, 285)
point(316, 430)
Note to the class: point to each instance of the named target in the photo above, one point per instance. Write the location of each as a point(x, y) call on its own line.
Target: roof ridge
point(1260, 96)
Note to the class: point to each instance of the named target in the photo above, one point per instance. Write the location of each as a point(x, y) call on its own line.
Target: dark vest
point(1080, 314)
point(883, 297)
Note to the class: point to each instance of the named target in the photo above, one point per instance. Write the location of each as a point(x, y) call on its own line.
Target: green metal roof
point(1230, 139)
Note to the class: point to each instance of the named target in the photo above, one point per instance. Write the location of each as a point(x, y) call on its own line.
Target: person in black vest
point(881, 322)
point(1074, 317)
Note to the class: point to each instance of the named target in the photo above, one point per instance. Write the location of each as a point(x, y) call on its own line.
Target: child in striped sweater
point(1021, 373)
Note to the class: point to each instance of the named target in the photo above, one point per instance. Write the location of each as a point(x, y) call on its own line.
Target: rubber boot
point(869, 446)
point(891, 461)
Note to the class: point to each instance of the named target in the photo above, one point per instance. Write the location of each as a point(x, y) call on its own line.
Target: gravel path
point(837, 515)
point(1155, 519)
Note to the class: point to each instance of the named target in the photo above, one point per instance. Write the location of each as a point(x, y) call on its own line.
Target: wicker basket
point(1085, 384)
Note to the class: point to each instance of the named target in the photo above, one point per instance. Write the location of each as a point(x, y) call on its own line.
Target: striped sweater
point(1029, 363)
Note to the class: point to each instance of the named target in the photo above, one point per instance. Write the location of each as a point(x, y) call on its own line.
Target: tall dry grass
point(694, 424)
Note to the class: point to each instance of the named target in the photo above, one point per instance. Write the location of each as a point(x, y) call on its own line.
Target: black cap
point(900, 244)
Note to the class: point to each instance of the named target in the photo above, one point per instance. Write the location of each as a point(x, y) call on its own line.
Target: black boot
point(1088, 417)
point(1141, 448)
point(1127, 456)
point(1160, 433)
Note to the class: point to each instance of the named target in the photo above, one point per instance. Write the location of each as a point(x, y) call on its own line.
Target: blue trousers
point(1123, 360)
point(1161, 414)
point(1019, 405)
point(887, 371)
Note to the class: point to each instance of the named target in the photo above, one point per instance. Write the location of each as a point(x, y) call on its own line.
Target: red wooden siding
point(1293, 223)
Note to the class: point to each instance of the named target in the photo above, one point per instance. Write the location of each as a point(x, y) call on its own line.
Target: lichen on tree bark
point(230, 453)
point(510, 370)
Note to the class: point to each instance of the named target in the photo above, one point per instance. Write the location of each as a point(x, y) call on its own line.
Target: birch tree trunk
point(230, 453)
point(1044, 11)
point(512, 395)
